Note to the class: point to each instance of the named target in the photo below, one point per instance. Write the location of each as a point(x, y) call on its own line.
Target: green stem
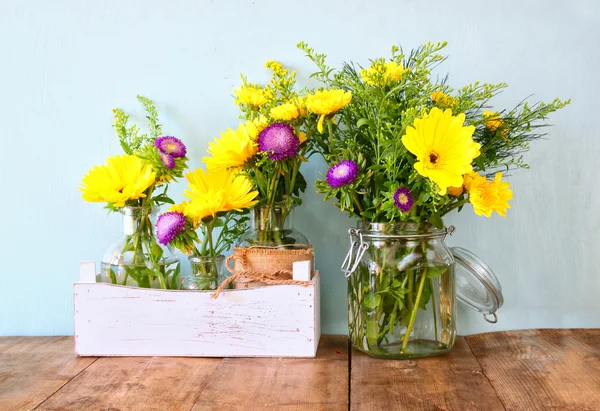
point(413, 314)
point(446, 210)
point(357, 201)
point(410, 289)
point(330, 130)
point(433, 307)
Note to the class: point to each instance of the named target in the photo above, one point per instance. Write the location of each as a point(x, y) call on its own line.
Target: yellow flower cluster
point(443, 146)
point(235, 147)
point(494, 122)
point(443, 100)
point(488, 196)
point(121, 179)
point(326, 103)
point(214, 192)
point(285, 112)
point(381, 73)
point(251, 95)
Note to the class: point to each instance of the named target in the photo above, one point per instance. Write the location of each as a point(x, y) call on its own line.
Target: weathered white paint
point(302, 270)
point(67, 63)
point(272, 321)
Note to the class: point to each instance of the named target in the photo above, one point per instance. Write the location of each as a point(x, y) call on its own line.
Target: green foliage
point(369, 131)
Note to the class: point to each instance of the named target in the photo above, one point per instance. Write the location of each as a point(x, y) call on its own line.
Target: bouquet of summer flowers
point(136, 184)
point(270, 146)
point(217, 201)
point(405, 152)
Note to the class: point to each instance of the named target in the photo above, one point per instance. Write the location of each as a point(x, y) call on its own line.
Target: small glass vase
point(401, 291)
point(207, 273)
point(273, 227)
point(137, 259)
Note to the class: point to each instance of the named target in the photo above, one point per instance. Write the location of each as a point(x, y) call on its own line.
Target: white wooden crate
point(272, 321)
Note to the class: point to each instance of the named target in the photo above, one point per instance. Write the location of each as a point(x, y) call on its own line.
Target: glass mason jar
point(137, 258)
point(401, 290)
point(207, 273)
point(273, 227)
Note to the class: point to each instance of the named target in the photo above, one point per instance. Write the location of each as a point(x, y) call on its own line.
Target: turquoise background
point(67, 63)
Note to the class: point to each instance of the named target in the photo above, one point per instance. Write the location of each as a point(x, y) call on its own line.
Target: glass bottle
point(137, 259)
point(273, 227)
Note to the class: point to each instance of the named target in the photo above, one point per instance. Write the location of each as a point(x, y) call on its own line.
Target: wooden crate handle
point(87, 272)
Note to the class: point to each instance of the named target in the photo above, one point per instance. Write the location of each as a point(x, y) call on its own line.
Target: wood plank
point(136, 383)
point(34, 368)
point(282, 383)
point(162, 383)
point(451, 382)
point(542, 369)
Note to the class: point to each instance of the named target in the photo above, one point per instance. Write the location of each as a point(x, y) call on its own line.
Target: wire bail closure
point(349, 265)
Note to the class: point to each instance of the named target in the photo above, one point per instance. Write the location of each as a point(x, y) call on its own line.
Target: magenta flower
point(169, 225)
point(167, 160)
point(279, 141)
point(171, 145)
point(342, 174)
point(403, 199)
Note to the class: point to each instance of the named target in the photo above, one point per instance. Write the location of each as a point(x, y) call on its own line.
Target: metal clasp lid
point(476, 285)
point(349, 266)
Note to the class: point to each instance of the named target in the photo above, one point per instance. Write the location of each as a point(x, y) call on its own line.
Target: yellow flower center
point(402, 199)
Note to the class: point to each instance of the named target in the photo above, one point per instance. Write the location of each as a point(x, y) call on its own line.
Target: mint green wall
point(65, 63)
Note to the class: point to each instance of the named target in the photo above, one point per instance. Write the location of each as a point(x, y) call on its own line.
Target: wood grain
point(282, 383)
point(450, 382)
point(34, 368)
point(136, 383)
point(161, 383)
point(542, 369)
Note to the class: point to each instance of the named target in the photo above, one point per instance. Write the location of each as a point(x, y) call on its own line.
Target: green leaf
point(434, 272)
point(371, 301)
point(365, 122)
point(436, 220)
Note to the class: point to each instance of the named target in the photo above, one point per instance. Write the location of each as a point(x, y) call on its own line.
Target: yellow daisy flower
point(285, 112)
point(251, 95)
point(455, 191)
point(444, 147)
point(121, 179)
point(493, 121)
point(302, 137)
point(234, 148)
point(488, 196)
point(217, 191)
point(327, 102)
point(442, 99)
point(393, 71)
point(382, 72)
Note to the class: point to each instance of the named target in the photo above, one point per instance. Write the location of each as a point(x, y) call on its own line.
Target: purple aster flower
point(167, 160)
point(403, 199)
point(342, 174)
point(169, 225)
point(279, 141)
point(171, 145)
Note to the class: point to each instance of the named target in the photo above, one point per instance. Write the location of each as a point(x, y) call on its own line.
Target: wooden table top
point(514, 370)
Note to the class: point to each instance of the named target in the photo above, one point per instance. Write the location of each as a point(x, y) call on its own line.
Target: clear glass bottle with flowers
point(269, 149)
point(216, 207)
point(405, 152)
point(136, 185)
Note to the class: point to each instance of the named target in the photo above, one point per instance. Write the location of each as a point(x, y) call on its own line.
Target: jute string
point(277, 277)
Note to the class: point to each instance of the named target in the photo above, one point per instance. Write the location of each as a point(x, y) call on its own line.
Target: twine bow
point(279, 277)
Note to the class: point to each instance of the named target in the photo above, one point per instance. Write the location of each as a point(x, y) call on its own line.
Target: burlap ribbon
point(264, 266)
